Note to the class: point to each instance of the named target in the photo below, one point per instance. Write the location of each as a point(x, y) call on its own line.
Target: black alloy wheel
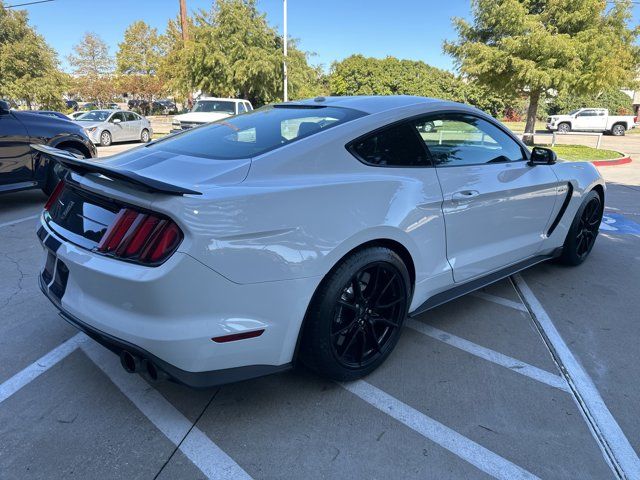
point(369, 310)
point(356, 315)
point(583, 231)
point(588, 227)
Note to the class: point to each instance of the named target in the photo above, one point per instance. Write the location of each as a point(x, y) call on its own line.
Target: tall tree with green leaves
point(233, 51)
point(538, 47)
point(138, 61)
point(29, 68)
point(93, 69)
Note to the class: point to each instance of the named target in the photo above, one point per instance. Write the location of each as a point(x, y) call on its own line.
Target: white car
point(302, 231)
point(104, 127)
point(209, 109)
point(591, 120)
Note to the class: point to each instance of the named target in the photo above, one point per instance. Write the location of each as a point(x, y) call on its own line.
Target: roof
point(368, 104)
point(223, 99)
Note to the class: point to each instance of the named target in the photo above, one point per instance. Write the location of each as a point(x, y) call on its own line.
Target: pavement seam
point(177, 447)
point(616, 449)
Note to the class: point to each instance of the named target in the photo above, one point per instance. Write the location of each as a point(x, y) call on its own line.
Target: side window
point(130, 116)
point(248, 106)
point(241, 108)
point(117, 116)
point(588, 113)
point(394, 146)
point(460, 139)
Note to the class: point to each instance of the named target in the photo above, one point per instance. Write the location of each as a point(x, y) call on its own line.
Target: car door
point(16, 162)
point(496, 206)
point(133, 125)
point(118, 128)
point(589, 119)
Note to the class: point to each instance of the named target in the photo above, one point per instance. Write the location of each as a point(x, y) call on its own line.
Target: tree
point(138, 61)
point(234, 52)
point(535, 47)
point(29, 68)
point(172, 70)
point(93, 69)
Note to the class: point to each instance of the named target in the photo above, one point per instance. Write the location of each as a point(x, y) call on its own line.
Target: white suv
point(209, 109)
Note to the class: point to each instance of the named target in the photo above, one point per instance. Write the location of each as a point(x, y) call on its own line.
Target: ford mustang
point(303, 231)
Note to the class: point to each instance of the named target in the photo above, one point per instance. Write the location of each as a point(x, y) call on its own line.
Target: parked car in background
point(591, 120)
point(75, 115)
point(107, 126)
point(209, 109)
point(51, 113)
point(163, 107)
point(140, 106)
point(20, 167)
point(304, 231)
point(88, 106)
point(111, 106)
point(72, 104)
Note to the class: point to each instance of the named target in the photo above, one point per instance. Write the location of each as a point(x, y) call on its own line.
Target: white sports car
point(302, 231)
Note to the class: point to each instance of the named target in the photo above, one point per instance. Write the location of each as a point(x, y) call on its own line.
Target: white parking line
point(204, 454)
point(500, 301)
point(604, 426)
point(498, 358)
point(20, 220)
point(478, 456)
point(37, 368)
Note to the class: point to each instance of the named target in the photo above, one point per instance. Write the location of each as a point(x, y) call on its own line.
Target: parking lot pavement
point(485, 386)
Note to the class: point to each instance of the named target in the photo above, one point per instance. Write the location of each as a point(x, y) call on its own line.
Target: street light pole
point(284, 63)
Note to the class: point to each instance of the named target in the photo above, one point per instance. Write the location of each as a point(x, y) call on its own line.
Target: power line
point(28, 3)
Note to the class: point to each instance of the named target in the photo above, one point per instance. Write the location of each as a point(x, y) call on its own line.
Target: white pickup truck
point(591, 120)
point(209, 109)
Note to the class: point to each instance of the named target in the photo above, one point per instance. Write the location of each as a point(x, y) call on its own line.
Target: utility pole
point(284, 63)
point(185, 37)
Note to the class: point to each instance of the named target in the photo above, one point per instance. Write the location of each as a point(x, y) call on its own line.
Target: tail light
point(54, 195)
point(141, 237)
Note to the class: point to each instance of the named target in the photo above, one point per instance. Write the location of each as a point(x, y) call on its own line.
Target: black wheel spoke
point(344, 303)
point(368, 314)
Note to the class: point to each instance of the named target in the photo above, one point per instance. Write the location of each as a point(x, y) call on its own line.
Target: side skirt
point(473, 285)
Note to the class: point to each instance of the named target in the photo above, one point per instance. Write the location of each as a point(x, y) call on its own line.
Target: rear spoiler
point(82, 167)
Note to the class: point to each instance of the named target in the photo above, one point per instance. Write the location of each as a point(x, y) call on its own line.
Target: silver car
point(107, 126)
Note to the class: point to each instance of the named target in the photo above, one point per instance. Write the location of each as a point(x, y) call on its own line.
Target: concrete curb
point(615, 161)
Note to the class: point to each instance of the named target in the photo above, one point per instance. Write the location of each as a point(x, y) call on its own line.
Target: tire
point(618, 130)
point(56, 172)
point(429, 127)
point(144, 136)
point(355, 317)
point(564, 127)
point(583, 231)
point(105, 138)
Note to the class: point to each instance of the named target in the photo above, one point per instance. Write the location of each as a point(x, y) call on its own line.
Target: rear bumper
point(170, 313)
point(191, 379)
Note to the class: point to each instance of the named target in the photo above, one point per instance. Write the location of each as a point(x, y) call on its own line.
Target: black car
point(20, 167)
point(72, 104)
point(51, 113)
point(163, 107)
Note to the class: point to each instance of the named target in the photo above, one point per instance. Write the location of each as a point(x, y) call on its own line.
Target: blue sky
point(332, 29)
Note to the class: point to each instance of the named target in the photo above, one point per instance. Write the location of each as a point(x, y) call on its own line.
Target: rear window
point(255, 132)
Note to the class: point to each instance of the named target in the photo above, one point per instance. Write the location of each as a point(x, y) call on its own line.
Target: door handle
point(464, 195)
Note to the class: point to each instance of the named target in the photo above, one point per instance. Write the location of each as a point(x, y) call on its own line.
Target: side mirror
point(4, 107)
point(542, 156)
point(117, 120)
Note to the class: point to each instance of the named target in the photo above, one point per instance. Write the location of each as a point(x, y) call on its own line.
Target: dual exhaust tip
point(134, 364)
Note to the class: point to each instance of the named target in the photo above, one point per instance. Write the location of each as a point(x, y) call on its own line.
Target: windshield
point(256, 132)
point(573, 112)
point(94, 116)
point(214, 106)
